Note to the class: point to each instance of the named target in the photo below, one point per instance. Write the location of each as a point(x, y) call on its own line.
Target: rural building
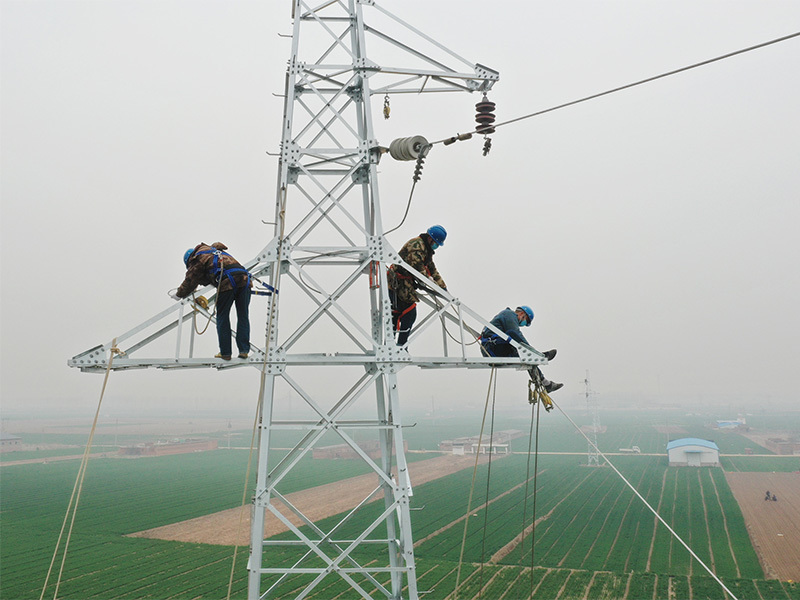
point(783, 445)
point(9, 442)
point(469, 445)
point(693, 452)
point(372, 449)
point(739, 423)
point(166, 448)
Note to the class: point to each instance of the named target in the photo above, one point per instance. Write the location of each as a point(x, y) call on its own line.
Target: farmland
point(593, 538)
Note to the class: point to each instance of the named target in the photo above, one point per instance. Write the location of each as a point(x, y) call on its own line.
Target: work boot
point(222, 356)
point(242, 354)
point(551, 386)
point(550, 354)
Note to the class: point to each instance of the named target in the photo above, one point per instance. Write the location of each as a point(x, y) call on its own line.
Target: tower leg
point(261, 497)
point(401, 547)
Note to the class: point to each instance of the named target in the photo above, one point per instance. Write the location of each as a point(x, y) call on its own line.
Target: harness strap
point(403, 275)
point(229, 273)
point(217, 271)
point(492, 337)
point(403, 314)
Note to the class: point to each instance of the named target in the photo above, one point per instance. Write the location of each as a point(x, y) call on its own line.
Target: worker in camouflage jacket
point(418, 253)
point(211, 265)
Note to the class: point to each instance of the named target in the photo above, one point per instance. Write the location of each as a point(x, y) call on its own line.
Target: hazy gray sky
point(653, 231)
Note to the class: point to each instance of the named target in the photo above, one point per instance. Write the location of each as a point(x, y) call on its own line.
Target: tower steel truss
point(593, 456)
point(329, 319)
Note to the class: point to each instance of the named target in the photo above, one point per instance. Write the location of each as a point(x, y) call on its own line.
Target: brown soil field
point(774, 527)
point(761, 438)
point(50, 459)
point(232, 527)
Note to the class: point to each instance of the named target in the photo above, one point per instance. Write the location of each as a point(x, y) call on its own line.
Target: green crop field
point(593, 539)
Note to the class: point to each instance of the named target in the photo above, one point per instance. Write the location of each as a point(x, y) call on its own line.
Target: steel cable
point(636, 83)
point(647, 504)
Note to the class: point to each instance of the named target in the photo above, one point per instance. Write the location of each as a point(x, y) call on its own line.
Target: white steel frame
point(328, 243)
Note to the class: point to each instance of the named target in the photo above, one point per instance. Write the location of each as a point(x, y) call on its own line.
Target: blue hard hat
point(438, 234)
point(528, 311)
point(186, 256)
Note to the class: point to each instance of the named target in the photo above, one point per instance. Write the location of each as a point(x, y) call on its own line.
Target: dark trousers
point(403, 317)
point(241, 297)
point(495, 346)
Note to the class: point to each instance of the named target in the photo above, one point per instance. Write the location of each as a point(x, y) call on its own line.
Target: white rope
point(492, 381)
point(72, 507)
point(647, 504)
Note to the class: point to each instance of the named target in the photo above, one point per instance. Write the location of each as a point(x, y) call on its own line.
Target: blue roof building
point(693, 452)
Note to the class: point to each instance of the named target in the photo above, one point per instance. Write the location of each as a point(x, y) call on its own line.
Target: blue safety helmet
point(528, 312)
point(438, 234)
point(186, 256)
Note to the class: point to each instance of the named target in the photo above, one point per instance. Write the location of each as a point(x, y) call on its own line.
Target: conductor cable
point(647, 504)
point(640, 82)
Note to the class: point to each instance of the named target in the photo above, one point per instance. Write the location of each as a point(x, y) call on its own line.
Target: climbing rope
point(492, 383)
point(536, 397)
point(439, 306)
point(202, 302)
point(276, 275)
point(537, 407)
point(244, 501)
point(72, 506)
point(647, 504)
point(488, 480)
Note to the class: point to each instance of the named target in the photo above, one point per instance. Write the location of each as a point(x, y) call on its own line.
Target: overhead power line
point(643, 81)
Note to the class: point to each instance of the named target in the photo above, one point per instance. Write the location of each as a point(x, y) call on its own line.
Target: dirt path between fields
point(232, 526)
point(774, 527)
point(52, 459)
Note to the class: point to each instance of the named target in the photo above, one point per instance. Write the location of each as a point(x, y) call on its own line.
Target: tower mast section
point(329, 341)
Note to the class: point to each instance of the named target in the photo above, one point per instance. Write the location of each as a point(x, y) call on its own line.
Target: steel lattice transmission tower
point(593, 456)
point(329, 339)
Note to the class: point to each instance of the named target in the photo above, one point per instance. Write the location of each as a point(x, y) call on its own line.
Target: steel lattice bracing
point(329, 345)
point(593, 456)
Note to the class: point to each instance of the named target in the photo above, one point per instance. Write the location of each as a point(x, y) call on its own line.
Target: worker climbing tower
point(329, 365)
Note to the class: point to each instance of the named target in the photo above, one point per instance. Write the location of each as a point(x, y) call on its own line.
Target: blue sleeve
point(515, 333)
point(507, 321)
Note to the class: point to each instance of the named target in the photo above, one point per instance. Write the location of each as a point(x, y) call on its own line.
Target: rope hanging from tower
point(77, 489)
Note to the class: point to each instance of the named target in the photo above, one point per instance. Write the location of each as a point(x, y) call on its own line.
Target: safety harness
point(218, 269)
point(488, 339)
point(402, 314)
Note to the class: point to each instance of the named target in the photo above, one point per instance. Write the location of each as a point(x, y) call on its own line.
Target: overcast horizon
point(653, 231)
